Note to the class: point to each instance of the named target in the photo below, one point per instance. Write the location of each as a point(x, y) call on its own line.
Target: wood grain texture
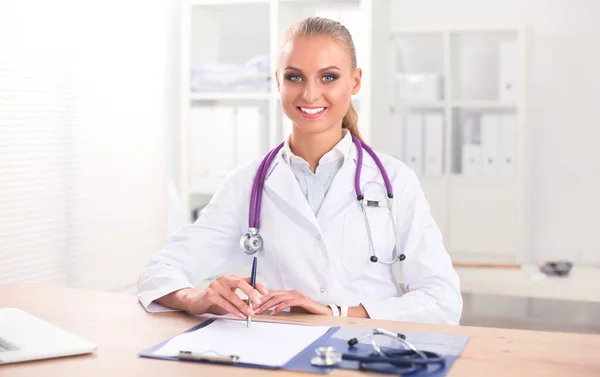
point(121, 328)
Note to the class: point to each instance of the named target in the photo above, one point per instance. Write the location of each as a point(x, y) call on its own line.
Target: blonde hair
point(317, 27)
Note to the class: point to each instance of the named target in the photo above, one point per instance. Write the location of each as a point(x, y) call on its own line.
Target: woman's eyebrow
point(290, 68)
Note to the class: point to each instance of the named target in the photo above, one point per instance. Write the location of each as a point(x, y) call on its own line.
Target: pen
point(253, 284)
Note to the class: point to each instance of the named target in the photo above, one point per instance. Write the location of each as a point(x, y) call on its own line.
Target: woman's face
point(316, 81)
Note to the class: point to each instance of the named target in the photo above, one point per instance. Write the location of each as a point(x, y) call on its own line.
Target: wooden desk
point(122, 328)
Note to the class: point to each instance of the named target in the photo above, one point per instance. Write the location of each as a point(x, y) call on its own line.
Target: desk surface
point(122, 328)
point(528, 281)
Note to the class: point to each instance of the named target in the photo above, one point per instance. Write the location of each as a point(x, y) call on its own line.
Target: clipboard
point(450, 346)
point(231, 359)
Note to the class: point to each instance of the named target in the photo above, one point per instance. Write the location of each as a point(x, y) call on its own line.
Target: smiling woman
point(317, 75)
point(304, 204)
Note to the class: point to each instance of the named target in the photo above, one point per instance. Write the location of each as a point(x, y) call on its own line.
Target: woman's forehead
point(314, 53)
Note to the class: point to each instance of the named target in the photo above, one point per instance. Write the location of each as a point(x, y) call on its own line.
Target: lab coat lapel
point(341, 192)
point(284, 191)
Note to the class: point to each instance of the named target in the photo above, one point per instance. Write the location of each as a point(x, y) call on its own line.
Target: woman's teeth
point(312, 111)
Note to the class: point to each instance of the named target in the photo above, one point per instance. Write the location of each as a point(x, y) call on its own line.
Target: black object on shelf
point(556, 268)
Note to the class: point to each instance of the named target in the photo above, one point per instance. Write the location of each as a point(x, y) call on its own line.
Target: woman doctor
point(316, 255)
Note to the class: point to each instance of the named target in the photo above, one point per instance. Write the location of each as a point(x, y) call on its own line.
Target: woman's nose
point(311, 92)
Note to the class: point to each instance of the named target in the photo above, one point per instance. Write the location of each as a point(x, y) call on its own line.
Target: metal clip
point(188, 355)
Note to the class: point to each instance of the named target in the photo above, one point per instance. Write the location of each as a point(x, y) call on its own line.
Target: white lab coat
point(326, 256)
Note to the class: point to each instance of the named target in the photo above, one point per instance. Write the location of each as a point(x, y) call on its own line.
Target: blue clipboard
point(450, 346)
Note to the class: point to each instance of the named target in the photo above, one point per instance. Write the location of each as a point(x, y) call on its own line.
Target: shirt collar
point(340, 151)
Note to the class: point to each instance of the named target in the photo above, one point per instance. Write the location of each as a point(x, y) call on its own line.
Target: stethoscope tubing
point(399, 358)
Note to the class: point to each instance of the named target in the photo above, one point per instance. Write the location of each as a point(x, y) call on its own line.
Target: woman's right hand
point(220, 297)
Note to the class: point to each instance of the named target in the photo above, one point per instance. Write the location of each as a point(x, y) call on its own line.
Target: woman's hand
point(281, 300)
point(220, 297)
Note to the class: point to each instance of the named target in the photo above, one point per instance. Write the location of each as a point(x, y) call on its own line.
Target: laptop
point(24, 337)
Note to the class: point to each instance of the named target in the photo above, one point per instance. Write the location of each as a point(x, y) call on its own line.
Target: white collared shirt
point(315, 185)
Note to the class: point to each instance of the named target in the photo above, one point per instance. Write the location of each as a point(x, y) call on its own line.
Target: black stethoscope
point(402, 361)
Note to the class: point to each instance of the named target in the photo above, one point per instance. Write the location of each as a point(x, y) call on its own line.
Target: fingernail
point(250, 312)
point(257, 301)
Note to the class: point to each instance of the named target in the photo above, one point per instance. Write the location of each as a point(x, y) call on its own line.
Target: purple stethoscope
point(252, 241)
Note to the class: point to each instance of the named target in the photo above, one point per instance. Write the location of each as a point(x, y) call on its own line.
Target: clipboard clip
point(216, 358)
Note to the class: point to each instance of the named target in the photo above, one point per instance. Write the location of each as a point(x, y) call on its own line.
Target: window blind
point(82, 156)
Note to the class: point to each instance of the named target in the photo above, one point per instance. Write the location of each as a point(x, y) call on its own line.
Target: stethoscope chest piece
point(251, 242)
point(326, 357)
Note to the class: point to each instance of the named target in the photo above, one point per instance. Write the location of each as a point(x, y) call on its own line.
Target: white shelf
point(484, 104)
point(412, 104)
point(224, 2)
point(240, 96)
point(528, 281)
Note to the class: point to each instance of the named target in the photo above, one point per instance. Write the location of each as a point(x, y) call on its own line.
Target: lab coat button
point(322, 289)
point(318, 238)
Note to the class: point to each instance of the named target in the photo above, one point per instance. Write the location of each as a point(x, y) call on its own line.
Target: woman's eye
point(294, 78)
point(329, 77)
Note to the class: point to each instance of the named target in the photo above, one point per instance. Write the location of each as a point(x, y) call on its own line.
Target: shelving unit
point(482, 216)
point(474, 80)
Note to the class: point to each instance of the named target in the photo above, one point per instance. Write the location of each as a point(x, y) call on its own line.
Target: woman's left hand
point(281, 300)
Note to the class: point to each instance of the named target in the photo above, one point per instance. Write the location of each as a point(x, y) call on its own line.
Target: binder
point(200, 120)
point(397, 134)
point(449, 346)
point(434, 144)
point(472, 154)
point(414, 142)
point(490, 126)
point(508, 71)
point(508, 144)
point(248, 134)
point(222, 139)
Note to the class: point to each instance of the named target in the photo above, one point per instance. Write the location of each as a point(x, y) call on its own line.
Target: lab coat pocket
point(356, 253)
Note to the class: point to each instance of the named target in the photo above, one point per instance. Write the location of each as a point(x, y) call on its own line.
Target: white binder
point(434, 144)
point(508, 140)
point(490, 132)
point(398, 138)
point(248, 134)
point(222, 142)
point(414, 142)
point(472, 155)
point(200, 120)
point(508, 71)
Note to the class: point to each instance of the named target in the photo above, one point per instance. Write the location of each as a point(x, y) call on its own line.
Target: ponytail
point(350, 122)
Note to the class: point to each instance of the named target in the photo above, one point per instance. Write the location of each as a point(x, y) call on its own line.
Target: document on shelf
point(263, 343)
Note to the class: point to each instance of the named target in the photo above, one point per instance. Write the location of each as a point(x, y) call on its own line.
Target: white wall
point(563, 100)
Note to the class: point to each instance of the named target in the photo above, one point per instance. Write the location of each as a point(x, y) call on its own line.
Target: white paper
point(269, 344)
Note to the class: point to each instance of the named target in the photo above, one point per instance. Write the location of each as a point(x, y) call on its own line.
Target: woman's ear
point(356, 80)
